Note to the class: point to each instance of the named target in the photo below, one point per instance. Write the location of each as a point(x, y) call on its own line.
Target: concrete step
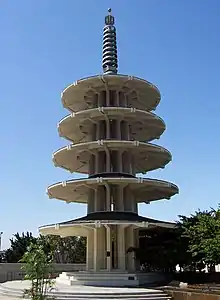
point(63, 295)
point(104, 278)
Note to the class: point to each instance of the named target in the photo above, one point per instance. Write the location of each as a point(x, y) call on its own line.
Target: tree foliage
point(202, 230)
point(65, 250)
point(68, 249)
point(38, 267)
point(193, 244)
point(19, 245)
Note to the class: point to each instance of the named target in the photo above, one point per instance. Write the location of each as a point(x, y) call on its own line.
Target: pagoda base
point(111, 279)
point(13, 290)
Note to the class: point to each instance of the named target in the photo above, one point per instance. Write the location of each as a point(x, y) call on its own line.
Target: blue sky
point(46, 45)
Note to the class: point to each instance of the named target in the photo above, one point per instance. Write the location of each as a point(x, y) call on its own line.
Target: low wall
point(191, 295)
point(12, 271)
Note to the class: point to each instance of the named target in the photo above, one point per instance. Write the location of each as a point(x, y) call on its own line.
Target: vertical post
point(107, 97)
point(131, 243)
point(108, 247)
point(128, 132)
point(119, 161)
point(99, 100)
point(108, 197)
point(97, 163)
point(96, 207)
point(117, 98)
point(98, 131)
point(137, 242)
point(108, 161)
point(121, 247)
point(118, 128)
point(120, 199)
point(89, 250)
point(108, 133)
point(131, 164)
point(95, 260)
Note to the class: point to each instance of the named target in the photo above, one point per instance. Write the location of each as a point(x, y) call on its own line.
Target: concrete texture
point(15, 290)
point(188, 295)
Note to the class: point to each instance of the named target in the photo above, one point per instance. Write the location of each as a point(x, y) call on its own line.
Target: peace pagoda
point(110, 127)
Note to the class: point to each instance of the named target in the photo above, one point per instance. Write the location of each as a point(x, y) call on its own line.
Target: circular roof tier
point(143, 189)
point(145, 126)
point(147, 157)
point(83, 93)
point(95, 220)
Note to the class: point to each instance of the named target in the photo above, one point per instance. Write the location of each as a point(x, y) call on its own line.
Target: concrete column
point(101, 196)
point(125, 100)
point(91, 164)
point(137, 267)
point(95, 249)
point(109, 247)
point(126, 162)
point(91, 202)
point(124, 130)
point(118, 129)
point(121, 247)
point(108, 161)
point(120, 199)
point(108, 133)
point(135, 205)
point(99, 248)
point(99, 100)
point(117, 98)
point(98, 131)
point(130, 163)
point(107, 98)
point(119, 161)
point(108, 197)
point(131, 263)
point(96, 208)
point(128, 132)
point(97, 163)
point(89, 250)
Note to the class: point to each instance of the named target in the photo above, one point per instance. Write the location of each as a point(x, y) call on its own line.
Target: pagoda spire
point(109, 50)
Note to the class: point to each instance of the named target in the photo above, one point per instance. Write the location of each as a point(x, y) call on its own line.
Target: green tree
point(19, 245)
point(66, 250)
point(161, 249)
point(203, 233)
point(37, 265)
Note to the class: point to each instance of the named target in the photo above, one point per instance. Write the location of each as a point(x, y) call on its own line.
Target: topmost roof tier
point(131, 92)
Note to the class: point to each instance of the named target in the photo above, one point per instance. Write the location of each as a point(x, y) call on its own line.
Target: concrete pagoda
point(110, 126)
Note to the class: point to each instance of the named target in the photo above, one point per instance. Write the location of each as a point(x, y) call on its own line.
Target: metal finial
point(109, 57)
point(109, 19)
